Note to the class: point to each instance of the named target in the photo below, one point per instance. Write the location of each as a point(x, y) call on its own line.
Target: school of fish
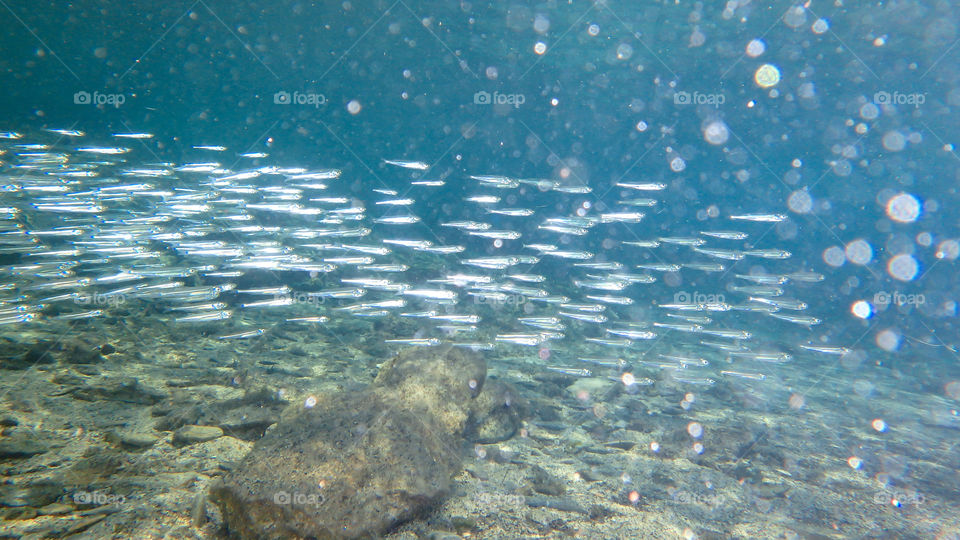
point(85, 228)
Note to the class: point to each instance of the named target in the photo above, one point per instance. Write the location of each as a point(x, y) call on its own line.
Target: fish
point(205, 316)
point(607, 299)
point(565, 254)
point(244, 335)
point(600, 265)
point(660, 267)
point(838, 351)
point(638, 202)
point(690, 328)
point(397, 220)
point(649, 186)
point(705, 267)
point(726, 235)
point(227, 245)
point(572, 189)
point(497, 235)
point(415, 165)
point(428, 183)
point(780, 303)
point(761, 218)
point(286, 301)
point(395, 202)
point(804, 277)
point(320, 319)
point(805, 320)
point(593, 308)
point(650, 244)
point(618, 363)
point(774, 357)
point(631, 334)
point(682, 241)
point(416, 342)
point(383, 267)
point(574, 372)
point(743, 375)
point(727, 254)
point(531, 278)
point(431, 294)
point(65, 132)
point(607, 342)
point(529, 340)
point(608, 285)
point(622, 217)
point(496, 180)
point(483, 199)
point(763, 279)
point(768, 253)
point(468, 225)
point(475, 346)
point(513, 212)
point(584, 317)
point(106, 150)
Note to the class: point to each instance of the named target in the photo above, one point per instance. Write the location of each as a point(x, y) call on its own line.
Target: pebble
point(196, 434)
point(34, 495)
point(54, 509)
point(20, 446)
point(135, 440)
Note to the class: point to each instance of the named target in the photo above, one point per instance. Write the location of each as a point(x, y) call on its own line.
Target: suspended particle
point(755, 48)
point(767, 76)
point(903, 267)
point(861, 309)
point(903, 208)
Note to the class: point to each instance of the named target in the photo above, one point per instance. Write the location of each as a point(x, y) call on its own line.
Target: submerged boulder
point(356, 464)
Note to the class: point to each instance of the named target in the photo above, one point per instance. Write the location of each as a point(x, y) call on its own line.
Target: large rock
point(356, 464)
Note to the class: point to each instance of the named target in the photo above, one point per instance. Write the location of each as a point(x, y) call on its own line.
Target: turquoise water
point(215, 212)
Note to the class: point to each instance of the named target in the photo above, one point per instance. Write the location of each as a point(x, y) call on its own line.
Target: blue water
point(594, 93)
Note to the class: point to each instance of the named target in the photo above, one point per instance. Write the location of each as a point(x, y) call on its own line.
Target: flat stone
point(127, 390)
point(245, 418)
point(33, 495)
point(134, 440)
point(55, 509)
point(21, 446)
point(196, 434)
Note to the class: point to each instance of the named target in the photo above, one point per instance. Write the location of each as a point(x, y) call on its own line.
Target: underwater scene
point(436, 270)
